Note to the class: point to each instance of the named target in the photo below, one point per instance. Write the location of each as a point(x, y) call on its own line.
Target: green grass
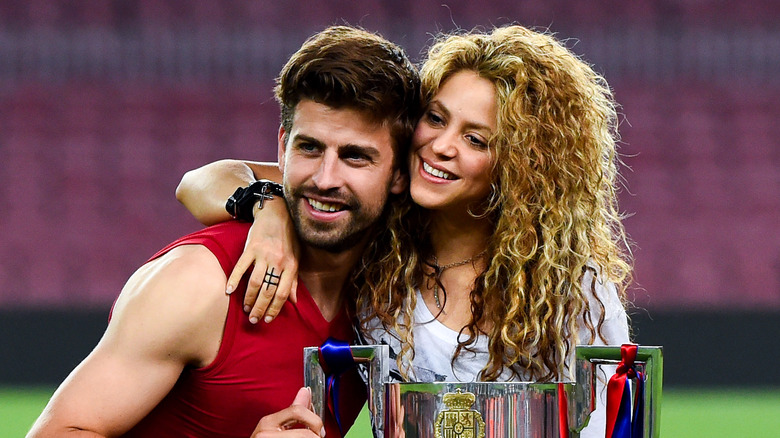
point(685, 412)
point(720, 413)
point(19, 407)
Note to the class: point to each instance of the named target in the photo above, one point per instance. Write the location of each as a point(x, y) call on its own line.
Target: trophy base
point(476, 410)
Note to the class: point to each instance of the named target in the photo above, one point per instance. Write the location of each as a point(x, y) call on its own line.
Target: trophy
point(506, 409)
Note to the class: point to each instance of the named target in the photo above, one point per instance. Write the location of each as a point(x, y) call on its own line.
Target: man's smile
point(324, 206)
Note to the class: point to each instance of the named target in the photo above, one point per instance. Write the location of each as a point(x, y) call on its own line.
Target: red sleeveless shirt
point(259, 367)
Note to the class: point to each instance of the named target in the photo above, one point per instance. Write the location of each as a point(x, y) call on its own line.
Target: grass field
point(685, 412)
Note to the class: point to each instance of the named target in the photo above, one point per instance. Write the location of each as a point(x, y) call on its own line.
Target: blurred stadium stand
point(104, 105)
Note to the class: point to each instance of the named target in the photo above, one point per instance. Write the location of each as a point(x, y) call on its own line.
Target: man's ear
point(281, 147)
point(400, 181)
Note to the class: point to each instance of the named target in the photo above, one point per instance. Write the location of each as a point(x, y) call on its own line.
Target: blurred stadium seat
point(104, 105)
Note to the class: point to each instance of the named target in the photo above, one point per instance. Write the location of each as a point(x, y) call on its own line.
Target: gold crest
point(458, 420)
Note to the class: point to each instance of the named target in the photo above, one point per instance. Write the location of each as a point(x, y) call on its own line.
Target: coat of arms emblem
point(458, 420)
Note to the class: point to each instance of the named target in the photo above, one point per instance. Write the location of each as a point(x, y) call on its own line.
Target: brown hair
point(348, 67)
point(553, 208)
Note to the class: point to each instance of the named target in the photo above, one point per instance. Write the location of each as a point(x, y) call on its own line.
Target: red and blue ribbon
point(622, 421)
point(563, 411)
point(336, 359)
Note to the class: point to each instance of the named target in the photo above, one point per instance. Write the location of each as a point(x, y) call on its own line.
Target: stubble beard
point(333, 237)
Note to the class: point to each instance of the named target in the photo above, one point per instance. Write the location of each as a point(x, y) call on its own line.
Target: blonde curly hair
point(553, 207)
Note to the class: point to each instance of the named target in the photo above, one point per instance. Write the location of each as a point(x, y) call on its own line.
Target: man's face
point(338, 170)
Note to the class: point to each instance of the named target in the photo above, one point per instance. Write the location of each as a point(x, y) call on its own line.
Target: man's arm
point(149, 340)
point(204, 191)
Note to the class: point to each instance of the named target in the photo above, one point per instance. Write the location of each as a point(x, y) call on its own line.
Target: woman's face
point(450, 162)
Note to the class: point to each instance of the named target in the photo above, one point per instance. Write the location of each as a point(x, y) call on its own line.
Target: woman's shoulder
point(604, 301)
point(596, 285)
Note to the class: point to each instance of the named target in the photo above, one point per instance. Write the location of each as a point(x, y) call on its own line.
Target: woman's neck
point(457, 259)
point(457, 238)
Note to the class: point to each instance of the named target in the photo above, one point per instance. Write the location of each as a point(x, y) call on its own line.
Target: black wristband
point(240, 204)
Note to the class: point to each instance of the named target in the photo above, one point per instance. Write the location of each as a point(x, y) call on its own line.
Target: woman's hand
point(271, 249)
point(271, 253)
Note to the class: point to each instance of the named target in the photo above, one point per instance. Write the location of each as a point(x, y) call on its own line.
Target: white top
point(435, 344)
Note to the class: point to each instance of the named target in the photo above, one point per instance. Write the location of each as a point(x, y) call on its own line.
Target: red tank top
point(258, 369)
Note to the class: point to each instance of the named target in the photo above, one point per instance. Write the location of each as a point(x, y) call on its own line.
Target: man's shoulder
point(174, 305)
point(184, 271)
point(225, 240)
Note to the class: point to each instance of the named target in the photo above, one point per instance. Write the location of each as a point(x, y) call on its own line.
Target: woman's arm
point(271, 242)
point(204, 191)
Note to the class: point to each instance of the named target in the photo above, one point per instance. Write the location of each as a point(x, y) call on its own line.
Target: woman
point(513, 251)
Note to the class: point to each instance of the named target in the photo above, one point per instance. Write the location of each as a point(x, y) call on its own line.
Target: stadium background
point(105, 104)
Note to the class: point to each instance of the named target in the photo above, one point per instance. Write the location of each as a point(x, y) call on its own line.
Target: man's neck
point(325, 273)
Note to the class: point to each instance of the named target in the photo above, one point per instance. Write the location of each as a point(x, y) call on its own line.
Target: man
point(178, 357)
